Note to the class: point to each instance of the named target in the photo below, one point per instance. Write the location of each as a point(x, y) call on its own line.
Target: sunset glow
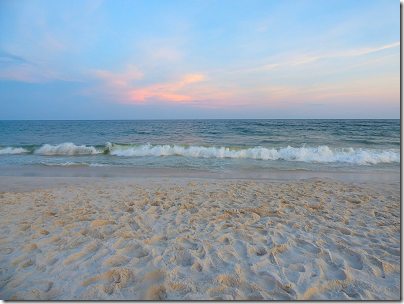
point(199, 59)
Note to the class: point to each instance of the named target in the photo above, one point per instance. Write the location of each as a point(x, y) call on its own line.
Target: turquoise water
point(213, 145)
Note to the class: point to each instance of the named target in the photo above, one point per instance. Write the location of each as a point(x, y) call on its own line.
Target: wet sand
point(175, 236)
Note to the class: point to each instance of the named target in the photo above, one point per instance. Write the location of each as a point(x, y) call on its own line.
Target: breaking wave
point(11, 150)
point(320, 154)
point(67, 149)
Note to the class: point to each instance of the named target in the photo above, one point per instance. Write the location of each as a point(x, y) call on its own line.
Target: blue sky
point(199, 59)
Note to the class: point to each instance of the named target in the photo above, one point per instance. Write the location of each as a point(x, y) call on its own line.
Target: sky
point(254, 59)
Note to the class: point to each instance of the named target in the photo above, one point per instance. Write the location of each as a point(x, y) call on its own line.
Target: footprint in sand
point(308, 247)
point(240, 248)
point(35, 290)
point(226, 256)
point(292, 276)
point(330, 271)
point(156, 292)
point(183, 258)
point(116, 261)
point(187, 244)
point(376, 265)
point(199, 251)
point(225, 239)
point(345, 231)
point(21, 259)
point(128, 250)
point(140, 253)
point(87, 252)
point(297, 267)
point(272, 259)
point(214, 258)
point(27, 263)
point(52, 239)
point(257, 251)
point(392, 251)
point(121, 277)
point(262, 231)
point(121, 243)
point(197, 267)
point(29, 248)
point(278, 238)
point(265, 280)
point(352, 259)
point(150, 286)
point(134, 225)
point(50, 261)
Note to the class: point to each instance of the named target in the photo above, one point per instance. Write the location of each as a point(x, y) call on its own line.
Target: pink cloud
point(166, 91)
point(223, 88)
point(123, 88)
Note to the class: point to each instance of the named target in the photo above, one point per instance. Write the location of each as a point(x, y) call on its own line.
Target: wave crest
point(67, 149)
point(321, 154)
point(11, 150)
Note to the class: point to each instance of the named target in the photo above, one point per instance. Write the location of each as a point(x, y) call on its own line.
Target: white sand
point(191, 239)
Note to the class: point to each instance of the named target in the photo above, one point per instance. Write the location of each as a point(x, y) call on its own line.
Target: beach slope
point(200, 239)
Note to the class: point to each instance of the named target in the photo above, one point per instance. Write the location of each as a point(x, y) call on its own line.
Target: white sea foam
point(98, 165)
point(71, 164)
point(321, 154)
point(67, 149)
point(11, 150)
point(66, 164)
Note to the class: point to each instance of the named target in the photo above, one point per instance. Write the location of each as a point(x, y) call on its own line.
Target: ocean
point(209, 145)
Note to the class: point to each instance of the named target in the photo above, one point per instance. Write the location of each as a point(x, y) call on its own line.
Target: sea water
point(210, 145)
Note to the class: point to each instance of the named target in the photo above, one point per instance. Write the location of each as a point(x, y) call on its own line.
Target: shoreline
point(39, 178)
point(254, 174)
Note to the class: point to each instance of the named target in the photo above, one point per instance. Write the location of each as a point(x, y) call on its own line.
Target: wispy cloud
point(17, 68)
point(7, 59)
point(32, 73)
point(212, 88)
point(298, 59)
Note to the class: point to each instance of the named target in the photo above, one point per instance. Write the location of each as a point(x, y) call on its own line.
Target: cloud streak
point(17, 68)
point(7, 59)
point(298, 59)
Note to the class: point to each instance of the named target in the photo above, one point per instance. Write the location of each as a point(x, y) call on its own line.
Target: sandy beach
point(198, 238)
point(200, 150)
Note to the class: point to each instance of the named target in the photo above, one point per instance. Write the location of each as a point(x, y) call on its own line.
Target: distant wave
point(320, 154)
point(67, 149)
point(11, 150)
